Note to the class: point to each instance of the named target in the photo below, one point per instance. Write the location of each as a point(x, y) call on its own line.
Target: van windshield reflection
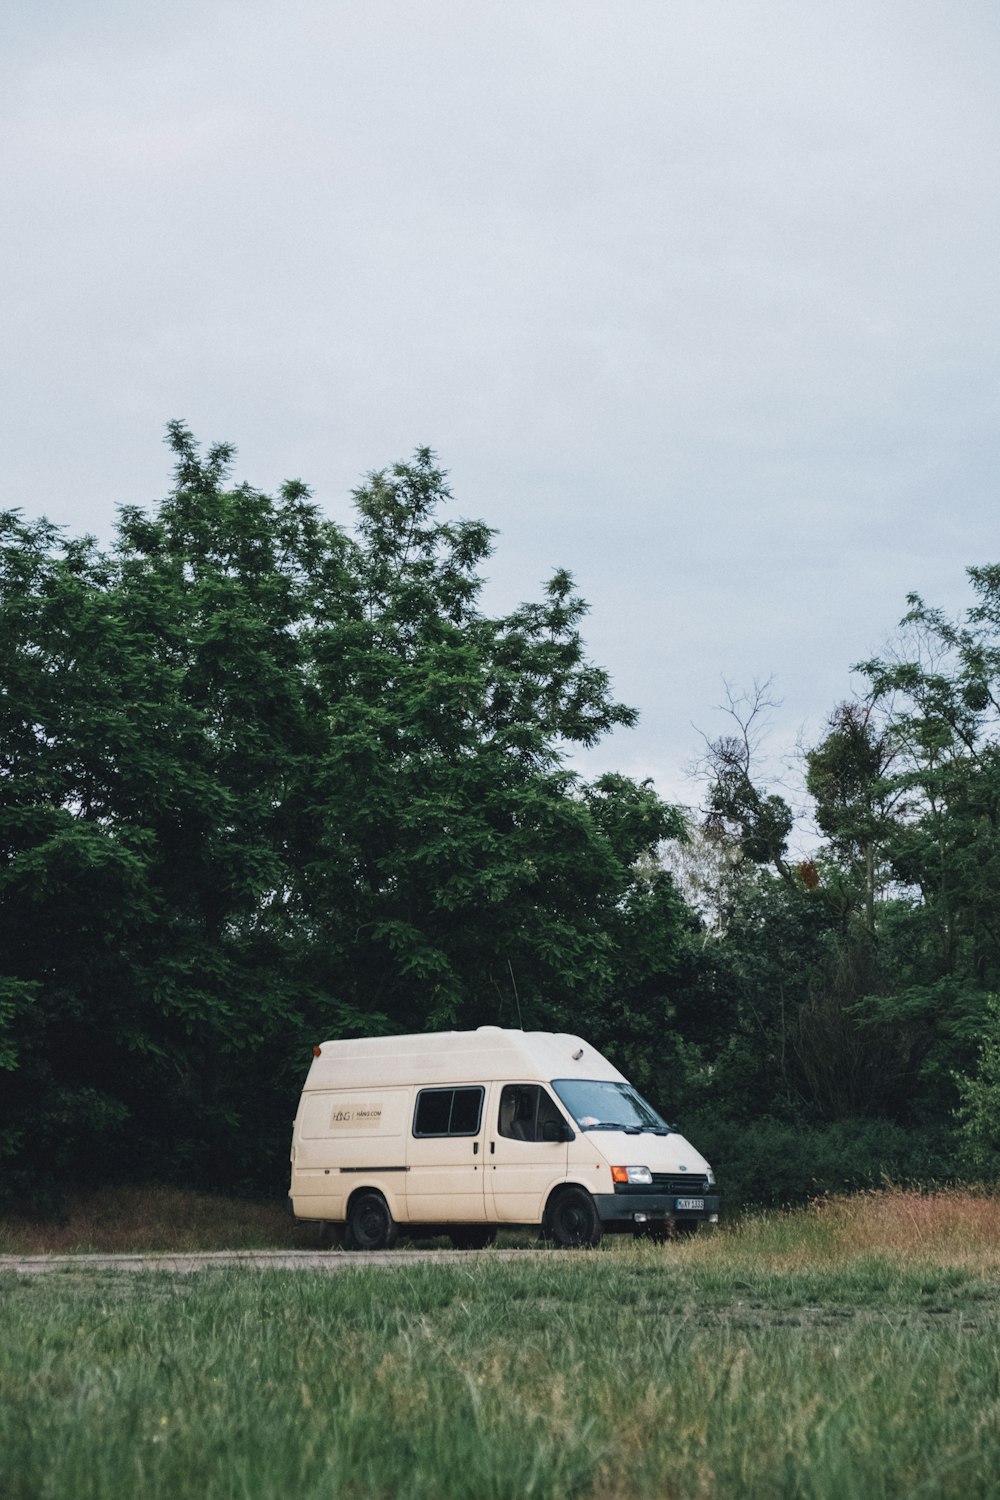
point(599, 1105)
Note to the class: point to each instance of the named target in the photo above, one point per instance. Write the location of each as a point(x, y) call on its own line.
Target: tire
point(571, 1220)
point(370, 1225)
point(472, 1236)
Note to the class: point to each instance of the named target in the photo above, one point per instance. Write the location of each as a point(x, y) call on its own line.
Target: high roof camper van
point(461, 1132)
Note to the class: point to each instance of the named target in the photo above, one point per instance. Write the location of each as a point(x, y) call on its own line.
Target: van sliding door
point(444, 1184)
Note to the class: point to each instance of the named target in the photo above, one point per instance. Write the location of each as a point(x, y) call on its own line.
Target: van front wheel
point(571, 1220)
point(370, 1225)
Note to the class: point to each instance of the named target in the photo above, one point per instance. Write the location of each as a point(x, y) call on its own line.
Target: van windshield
point(597, 1105)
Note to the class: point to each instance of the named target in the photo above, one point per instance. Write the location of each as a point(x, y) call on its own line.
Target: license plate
point(690, 1205)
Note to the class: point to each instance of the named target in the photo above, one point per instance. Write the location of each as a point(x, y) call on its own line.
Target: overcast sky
point(697, 298)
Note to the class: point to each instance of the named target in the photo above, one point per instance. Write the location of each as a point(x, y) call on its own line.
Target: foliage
point(979, 1093)
point(944, 699)
point(857, 806)
point(740, 809)
point(774, 1163)
point(264, 781)
point(879, 1002)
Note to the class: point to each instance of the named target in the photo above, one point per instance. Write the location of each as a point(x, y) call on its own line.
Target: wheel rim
point(573, 1224)
point(370, 1226)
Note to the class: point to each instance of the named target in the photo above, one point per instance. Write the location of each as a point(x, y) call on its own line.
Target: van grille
point(690, 1184)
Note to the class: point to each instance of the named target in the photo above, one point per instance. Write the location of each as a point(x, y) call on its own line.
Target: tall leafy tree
point(154, 699)
point(858, 805)
point(945, 702)
point(903, 954)
point(942, 695)
point(262, 780)
point(812, 975)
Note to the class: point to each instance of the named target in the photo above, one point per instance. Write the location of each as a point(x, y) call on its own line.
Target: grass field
point(850, 1350)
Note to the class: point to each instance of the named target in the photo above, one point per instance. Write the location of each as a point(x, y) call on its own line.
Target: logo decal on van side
point(372, 1115)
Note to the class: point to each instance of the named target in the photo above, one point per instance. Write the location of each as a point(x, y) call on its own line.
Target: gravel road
point(257, 1260)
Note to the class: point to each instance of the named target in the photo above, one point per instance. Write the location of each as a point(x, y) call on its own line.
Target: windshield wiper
point(615, 1125)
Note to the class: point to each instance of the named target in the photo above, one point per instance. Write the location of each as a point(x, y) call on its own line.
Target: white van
point(460, 1132)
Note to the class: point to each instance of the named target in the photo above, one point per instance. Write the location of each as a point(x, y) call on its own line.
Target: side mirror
point(557, 1130)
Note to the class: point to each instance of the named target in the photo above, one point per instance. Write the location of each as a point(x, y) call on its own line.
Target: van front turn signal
point(637, 1176)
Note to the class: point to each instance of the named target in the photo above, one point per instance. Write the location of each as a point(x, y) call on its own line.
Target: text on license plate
point(692, 1205)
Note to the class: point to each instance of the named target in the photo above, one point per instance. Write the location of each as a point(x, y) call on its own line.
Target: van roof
point(443, 1057)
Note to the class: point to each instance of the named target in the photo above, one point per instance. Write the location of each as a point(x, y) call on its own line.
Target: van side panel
point(348, 1139)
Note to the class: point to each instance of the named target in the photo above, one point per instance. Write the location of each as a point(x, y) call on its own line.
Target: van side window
point(525, 1109)
point(448, 1111)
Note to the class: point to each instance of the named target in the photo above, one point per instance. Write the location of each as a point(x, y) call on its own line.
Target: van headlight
point(637, 1176)
point(710, 1177)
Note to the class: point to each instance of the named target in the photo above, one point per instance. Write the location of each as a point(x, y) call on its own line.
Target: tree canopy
point(265, 780)
point(887, 1001)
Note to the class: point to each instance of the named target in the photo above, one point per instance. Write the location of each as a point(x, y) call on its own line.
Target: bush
point(771, 1163)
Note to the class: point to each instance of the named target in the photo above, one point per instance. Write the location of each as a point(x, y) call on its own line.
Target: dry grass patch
point(126, 1219)
point(945, 1226)
point(949, 1222)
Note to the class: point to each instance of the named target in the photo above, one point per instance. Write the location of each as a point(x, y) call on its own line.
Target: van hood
point(660, 1153)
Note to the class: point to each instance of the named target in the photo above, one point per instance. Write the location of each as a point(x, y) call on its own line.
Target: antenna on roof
point(517, 1002)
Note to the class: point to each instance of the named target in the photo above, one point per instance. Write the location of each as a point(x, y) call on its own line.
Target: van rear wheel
point(571, 1220)
point(370, 1225)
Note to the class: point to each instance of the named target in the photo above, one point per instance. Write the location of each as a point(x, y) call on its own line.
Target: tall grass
point(948, 1226)
point(837, 1352)
point(957, 1225)
point(125, 1219)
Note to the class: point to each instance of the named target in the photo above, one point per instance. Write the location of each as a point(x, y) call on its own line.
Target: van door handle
point(493, 1147)
point(475, 1148)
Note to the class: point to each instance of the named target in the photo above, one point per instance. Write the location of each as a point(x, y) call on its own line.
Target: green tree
point(979, 1097)
point(944, 704)
point(445, 823)
point(940, 693)
point(813, 975)
point(741, 811)
point(857, 805)
point(264, 781)
point(154, 701)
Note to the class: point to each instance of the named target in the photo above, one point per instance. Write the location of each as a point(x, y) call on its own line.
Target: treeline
point(265, 781)
point(864, 980)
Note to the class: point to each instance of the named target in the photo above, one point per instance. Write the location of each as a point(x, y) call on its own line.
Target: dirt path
point(258, 1260)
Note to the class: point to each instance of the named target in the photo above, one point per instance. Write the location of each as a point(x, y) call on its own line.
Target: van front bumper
point(621, 1209)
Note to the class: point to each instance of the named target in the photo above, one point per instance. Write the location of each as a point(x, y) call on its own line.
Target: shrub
point(770, 1163)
